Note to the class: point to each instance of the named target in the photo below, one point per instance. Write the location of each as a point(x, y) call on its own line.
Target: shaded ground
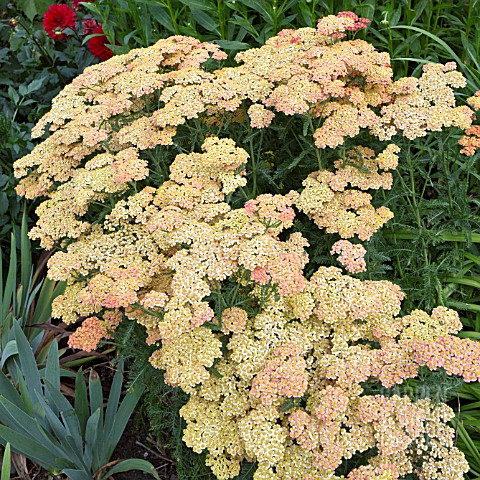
point(135, 445)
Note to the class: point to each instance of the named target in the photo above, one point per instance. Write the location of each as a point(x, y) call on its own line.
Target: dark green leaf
point(11, 282)
point(232, 45)
point(6, 463)
point(24, 445)
point(27, 361)
point(262, 7)
point(52, 368)
point(76, 474)
point(9, 350)
point(113, 402)
point(126, 408)
point(205, 20)
point(81, 401)
point(91, 436)
point(132, 464)
point(204, 5)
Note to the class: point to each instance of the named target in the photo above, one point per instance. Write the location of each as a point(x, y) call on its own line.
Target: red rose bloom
point(97, 44)
point(57, 19)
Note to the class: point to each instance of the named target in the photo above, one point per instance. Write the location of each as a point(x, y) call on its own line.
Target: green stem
point(254, 162)
point(467, 28)
point(42, 50)
point(416, 207)
point(275, 17)
point(446, 237)
point(221, 19)
point(317, 150)
point(172, 17)
point(45, 54)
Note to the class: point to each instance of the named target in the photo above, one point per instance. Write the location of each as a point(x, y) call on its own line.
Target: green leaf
point(60, 405)
point(204, 5)
point(6, 463)
point(25, 258)
point(96, 405)
point(3, 198)
point(9, 392)
point(24, 445)
point(91, 436)
point(27, 361)
point(53, 423)
point(132, 464)
point(24, 424)
point(42, 6)
point(467, 440)
point(205, 20)
point(81, 401)
point(63, 406)
point(52, 368)
point(162, 17)
point(472, 335)
point(22, 388)
point(287, 405)
point(11, 282)
point(112, 407)
point(95, 392)
point(43, 308)
point(28, 7)
point(76, 474)
point(262, 8)
point(445, 46)
point(9, 350)
point(232, 45)
point(16, 418)
point(126, 408)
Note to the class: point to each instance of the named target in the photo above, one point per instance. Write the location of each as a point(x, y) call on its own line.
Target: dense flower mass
point(58, 18)
point(471, 140)
point(159, 219)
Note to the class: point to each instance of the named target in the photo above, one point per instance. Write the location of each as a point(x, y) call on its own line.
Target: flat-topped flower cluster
point(277, 363)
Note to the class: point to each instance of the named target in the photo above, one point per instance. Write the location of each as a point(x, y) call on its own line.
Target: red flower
point(88, 25)
point(76, 3)
point(97, 44)
point(57, 19)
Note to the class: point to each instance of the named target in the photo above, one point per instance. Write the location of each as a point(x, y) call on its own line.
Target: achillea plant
point(159, 215)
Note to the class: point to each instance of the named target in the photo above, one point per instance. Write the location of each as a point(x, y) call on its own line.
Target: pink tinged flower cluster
point(334, 25)
point(234, 320)
point(88, 335)
point(351, 256)
point(457, 356)
point(471, 140)
point(284, 375)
